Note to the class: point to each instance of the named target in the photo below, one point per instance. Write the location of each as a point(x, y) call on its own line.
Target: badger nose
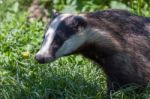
point(40, 58)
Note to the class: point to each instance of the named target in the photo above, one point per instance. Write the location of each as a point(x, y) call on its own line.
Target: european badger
point(115, 39)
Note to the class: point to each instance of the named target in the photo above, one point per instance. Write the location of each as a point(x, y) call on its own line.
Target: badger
point(117, 40)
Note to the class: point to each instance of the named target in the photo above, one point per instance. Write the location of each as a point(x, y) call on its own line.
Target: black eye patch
point(65, 30)
point(70, 26)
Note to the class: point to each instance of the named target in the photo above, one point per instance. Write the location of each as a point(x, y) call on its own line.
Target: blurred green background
point(141, 7)
point(21, 29)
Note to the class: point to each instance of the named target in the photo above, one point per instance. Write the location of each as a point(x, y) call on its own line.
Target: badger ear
point(54, 14)
point(80, 21)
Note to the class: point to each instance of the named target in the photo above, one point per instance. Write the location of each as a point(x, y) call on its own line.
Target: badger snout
point(43, 59)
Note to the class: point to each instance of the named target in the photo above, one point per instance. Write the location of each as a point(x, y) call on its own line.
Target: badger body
point(117, 40)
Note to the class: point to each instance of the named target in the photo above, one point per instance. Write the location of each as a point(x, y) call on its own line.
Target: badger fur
point(117, 40)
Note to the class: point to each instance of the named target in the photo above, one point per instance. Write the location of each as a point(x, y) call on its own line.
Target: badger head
point(65, 33)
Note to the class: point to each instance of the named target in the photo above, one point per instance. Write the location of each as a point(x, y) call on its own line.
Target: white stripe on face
point(50, 34)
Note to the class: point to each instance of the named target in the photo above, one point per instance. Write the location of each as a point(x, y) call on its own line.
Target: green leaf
point(69, 9)
point(119, 5)
point(15, 7)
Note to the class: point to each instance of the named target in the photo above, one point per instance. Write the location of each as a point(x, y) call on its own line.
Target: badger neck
point(96, 53)
point(100, 45)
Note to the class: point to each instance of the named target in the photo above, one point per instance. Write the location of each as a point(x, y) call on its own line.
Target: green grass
point(71, 77)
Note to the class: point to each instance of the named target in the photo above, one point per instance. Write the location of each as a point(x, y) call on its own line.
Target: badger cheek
point(70, 45)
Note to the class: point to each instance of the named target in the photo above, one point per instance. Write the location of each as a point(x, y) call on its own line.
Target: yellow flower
point(25, 54)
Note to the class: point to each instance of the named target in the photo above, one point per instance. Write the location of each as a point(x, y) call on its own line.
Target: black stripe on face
point(67, 28)
point(70, 26)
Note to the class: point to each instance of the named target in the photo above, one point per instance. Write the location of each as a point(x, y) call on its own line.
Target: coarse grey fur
point(127, 61)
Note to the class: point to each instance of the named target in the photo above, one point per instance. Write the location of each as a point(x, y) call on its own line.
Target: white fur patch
point(71, 44)
point(50, 34)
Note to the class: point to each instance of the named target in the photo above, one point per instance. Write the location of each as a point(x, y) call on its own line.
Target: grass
point(71, 77)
